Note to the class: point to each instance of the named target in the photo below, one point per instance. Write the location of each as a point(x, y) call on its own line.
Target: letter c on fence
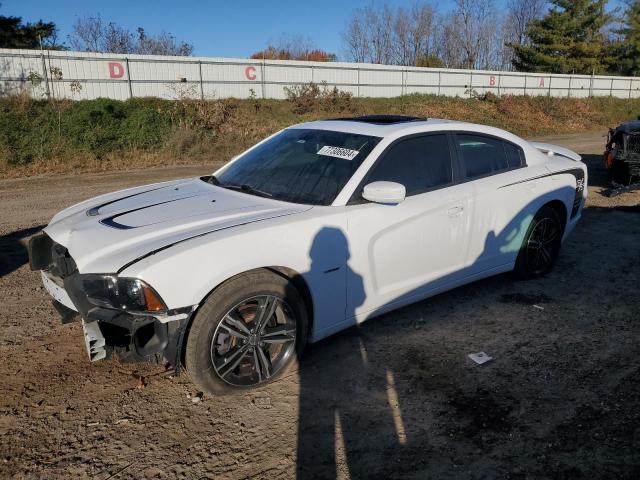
point(250, 73)
point(492, 81)
point(116, 70)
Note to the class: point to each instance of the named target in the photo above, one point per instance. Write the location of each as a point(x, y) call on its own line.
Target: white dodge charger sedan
point(317, 228)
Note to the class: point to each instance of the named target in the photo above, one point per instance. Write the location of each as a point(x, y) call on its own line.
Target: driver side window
point(420, 163)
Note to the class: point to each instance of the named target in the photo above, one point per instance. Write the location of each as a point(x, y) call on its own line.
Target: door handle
point(455, 211)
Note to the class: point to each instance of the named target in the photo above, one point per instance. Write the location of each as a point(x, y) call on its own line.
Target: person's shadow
point(345, 417)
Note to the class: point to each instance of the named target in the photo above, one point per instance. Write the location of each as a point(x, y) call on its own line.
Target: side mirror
point(388, 193)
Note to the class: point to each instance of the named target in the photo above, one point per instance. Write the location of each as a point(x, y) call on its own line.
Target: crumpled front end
point(622, 154)
point(134, 336)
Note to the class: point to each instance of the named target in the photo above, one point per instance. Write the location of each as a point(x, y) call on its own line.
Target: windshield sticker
point(338, 152)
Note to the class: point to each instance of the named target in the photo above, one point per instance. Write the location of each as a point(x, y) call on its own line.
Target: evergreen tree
point(628, 59)
point(15, 34)
point(569, 39)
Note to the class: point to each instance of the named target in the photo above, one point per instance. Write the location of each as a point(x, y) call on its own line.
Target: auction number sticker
point(338, 152)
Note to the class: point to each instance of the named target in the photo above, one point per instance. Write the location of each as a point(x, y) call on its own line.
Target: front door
point(402, 251)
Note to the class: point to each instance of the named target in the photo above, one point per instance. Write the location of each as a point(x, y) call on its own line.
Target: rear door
point(498, 210)
point(401, 251)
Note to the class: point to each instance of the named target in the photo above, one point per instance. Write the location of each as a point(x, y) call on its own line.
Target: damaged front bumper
point(134, 337)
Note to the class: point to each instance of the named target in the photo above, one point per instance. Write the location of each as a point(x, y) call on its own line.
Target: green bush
point(35, 130)
point(64, 135)
point(102, 126)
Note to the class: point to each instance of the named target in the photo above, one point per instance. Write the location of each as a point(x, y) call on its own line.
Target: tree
point(627, 49)
point(15, 34)
point(162, 44)
point(568, 39)
point(518, 17)
point(477, 23)
point(386, 35)
point(355, 39)
point(91, 34)
point(469, 36)
point(413, 34)
point(294, 47)
point(520, 14)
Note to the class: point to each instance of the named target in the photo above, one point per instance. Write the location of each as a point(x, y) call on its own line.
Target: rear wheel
point(541, 244)
point(248, 332)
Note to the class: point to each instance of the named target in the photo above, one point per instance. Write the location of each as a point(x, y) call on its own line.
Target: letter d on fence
point(116, 70)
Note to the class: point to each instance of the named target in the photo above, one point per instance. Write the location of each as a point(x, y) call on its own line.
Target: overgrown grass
point(38, 136)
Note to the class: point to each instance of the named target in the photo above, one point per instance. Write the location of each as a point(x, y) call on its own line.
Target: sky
point(219, 28)
point(216, 28)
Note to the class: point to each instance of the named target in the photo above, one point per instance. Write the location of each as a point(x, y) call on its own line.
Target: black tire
point(541, 244)
point(233, 307)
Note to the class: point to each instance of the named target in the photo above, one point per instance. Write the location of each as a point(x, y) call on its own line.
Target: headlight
point(129, 294)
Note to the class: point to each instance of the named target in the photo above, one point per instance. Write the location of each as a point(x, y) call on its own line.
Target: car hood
point(105, 233)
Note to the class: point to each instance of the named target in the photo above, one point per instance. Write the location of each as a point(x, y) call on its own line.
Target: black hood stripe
point(93, 211)
point(110, 221)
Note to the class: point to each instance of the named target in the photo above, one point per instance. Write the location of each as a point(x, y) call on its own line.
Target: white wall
point(93, 75)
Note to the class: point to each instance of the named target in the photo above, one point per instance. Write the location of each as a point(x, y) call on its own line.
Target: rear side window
point(483, 156)
point(515, 155)
point(419, 163)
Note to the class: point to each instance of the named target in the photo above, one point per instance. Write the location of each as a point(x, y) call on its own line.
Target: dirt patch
point(395, 398)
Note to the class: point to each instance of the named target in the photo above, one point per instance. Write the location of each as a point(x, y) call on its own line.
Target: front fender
point(313, 244)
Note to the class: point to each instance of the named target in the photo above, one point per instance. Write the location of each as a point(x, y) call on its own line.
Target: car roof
point(629, 127)
point(379, 125)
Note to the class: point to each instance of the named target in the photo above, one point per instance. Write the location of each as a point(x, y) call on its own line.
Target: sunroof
point(382, 119)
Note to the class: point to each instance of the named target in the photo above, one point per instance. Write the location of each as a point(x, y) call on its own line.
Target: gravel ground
point(395, 398)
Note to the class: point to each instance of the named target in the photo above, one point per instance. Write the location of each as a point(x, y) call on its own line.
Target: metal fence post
point(201, 87)
point(549, 92)
point(569, 90)
point(630, 85)
point(45, 75)
point(611, 88)
point(591, 85)
point(525, 85)
point(262, 78)
point(439, 80)
point(129, 77)
point(499, 83)
point(470, 83)
point(358, 70)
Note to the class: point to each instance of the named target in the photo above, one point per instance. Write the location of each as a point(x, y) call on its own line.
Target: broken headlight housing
point(121, 293)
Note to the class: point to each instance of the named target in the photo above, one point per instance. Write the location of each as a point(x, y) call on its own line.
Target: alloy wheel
point(253, 341)
point(543, 245)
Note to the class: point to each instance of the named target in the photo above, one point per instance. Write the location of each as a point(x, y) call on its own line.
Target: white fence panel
point(79, 75)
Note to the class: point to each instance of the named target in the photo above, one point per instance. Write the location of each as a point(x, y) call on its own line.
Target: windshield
point(299, 165)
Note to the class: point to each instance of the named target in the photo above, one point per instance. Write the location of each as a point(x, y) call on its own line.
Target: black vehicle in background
point(622, 153)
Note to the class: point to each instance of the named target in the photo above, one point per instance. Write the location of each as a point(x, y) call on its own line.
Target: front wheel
point(541, 245)
point(248, 332)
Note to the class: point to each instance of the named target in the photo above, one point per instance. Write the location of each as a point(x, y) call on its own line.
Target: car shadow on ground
point(598, 176)
point(351, 412)
point(14, 249)
point(397, 397)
